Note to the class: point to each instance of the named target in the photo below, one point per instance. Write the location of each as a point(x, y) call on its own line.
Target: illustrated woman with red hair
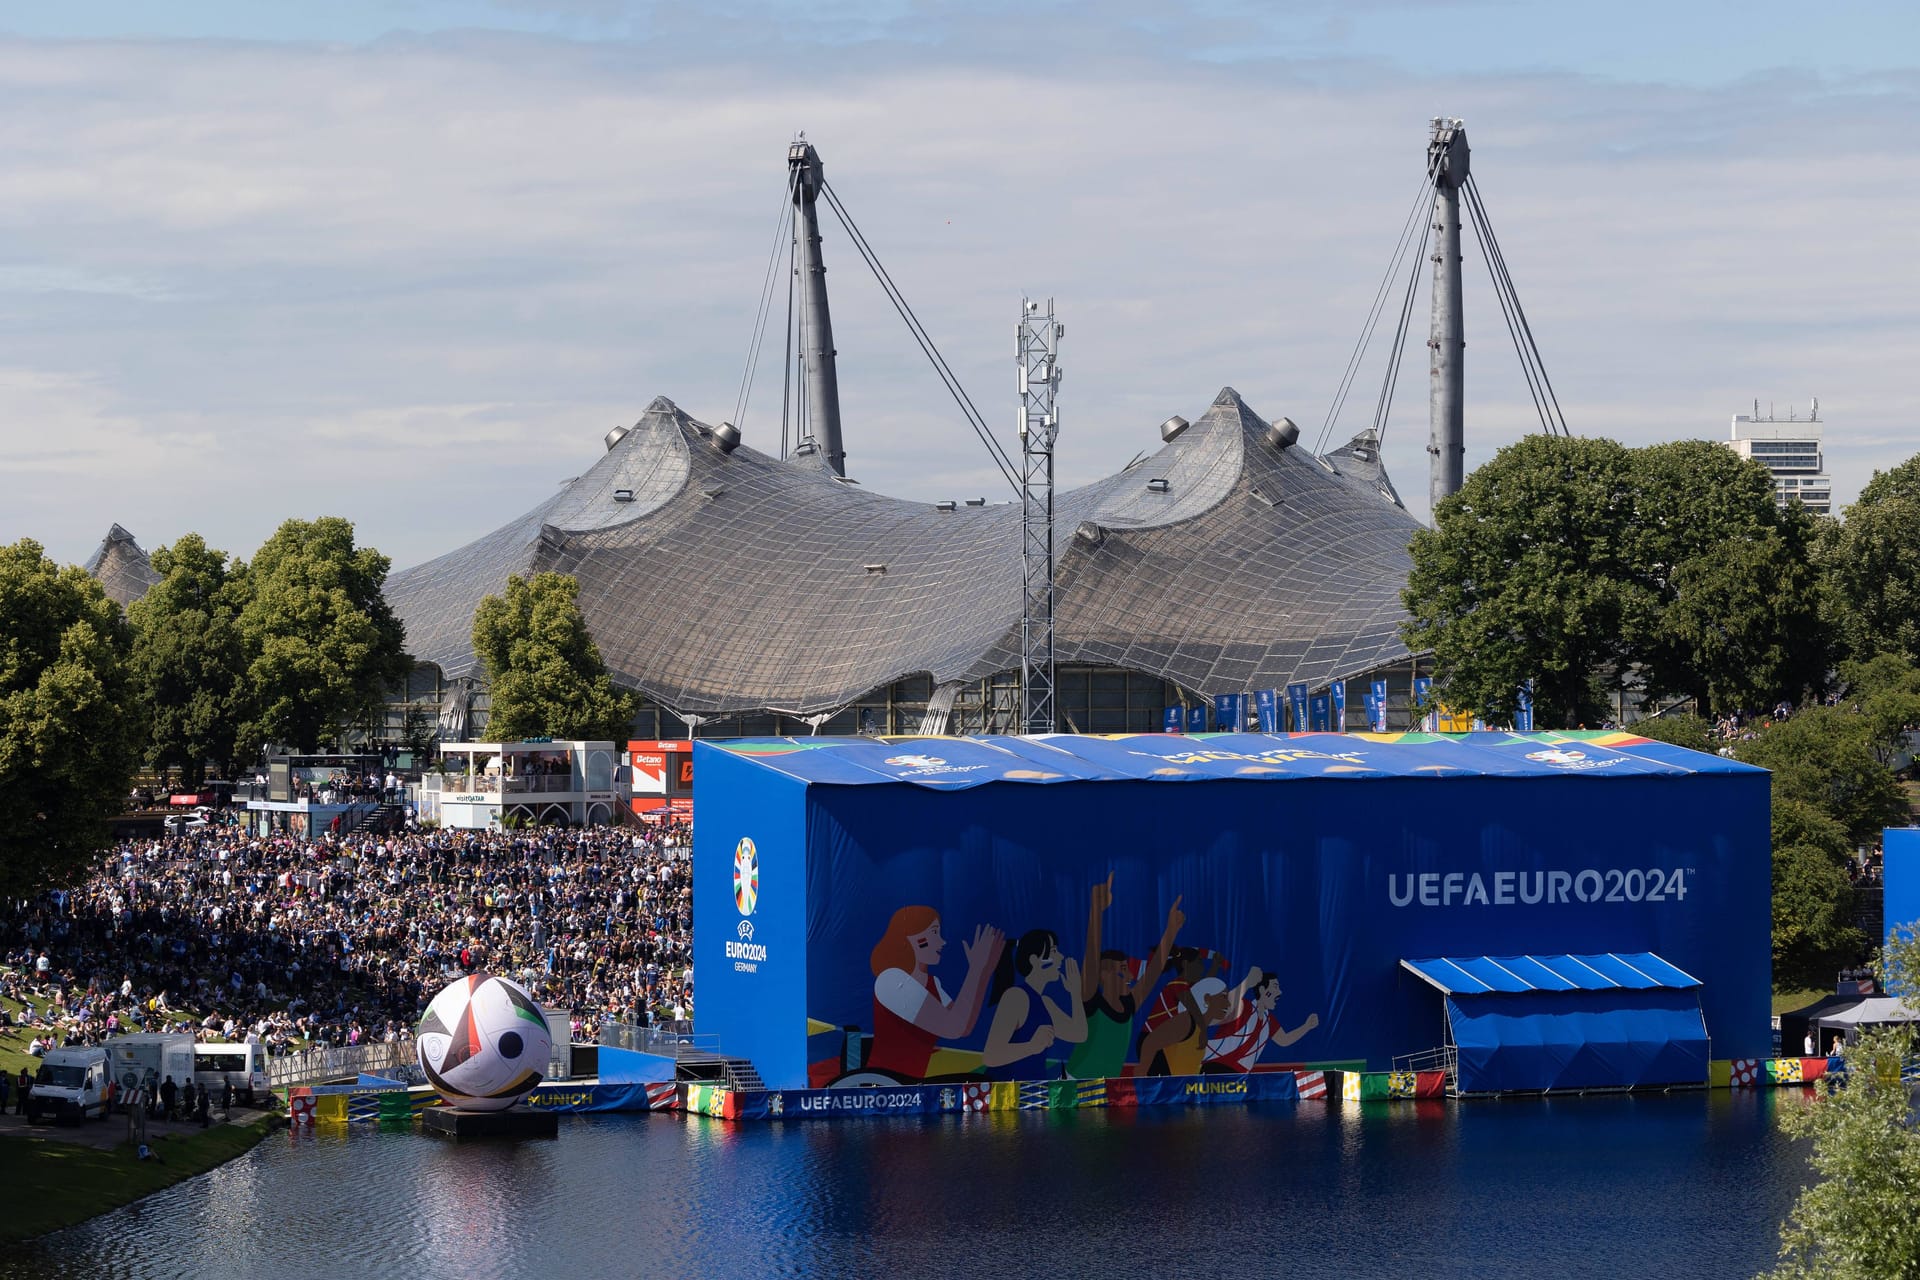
point(912, 1012)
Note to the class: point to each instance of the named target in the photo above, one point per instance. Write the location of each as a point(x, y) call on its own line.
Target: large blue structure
point(840, 885)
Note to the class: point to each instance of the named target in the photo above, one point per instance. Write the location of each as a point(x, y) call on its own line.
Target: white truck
point(244, 1066)
point(146, 1058)
point(71, 1085)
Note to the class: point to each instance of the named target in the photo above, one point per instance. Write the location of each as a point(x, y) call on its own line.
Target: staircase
point(385, 816)
point(742, 1075)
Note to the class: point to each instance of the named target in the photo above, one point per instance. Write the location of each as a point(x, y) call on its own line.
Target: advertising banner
point(1267, 701)
point(1337, 694)
point(946, 899)
point(1523, 708)
point(1297, 704)
point(1174, 720)
point(1197, 718)
point(1423, 701)
point(1319, 713)
point(1226, 712)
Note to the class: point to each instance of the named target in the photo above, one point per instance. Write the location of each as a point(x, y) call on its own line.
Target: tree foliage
point(1580, 562)
point(1690, 732)
point(189, 660)
point(1828, 758)
point(1873, 563)
point(322, 646)
point(1813, 930)
point(1857, 1222)
point(545, 676)
point(69, 726)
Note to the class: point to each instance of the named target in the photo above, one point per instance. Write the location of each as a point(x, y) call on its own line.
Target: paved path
point(110, 1132)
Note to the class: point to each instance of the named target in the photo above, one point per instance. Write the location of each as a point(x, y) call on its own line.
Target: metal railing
point(1445, 1058)
point(324, 1062)
point(671, 1041)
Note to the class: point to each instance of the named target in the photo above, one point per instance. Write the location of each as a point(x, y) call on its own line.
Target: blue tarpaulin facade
point(1323, 859)
point(1547, 1022)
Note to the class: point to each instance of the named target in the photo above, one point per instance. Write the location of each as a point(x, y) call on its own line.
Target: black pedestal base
point(468, 1126)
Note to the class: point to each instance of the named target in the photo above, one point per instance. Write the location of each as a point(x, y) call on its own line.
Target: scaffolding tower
point(1039, 426)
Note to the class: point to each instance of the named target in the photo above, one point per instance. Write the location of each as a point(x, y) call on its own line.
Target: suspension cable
point(1498, 258)
point(745, 395)
point(1383, 407)
point(1421, 198)
point(1506, 314)
point(925, 341)
point(788, 356)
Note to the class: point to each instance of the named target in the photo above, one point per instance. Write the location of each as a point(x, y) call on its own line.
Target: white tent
point(1871, 1012)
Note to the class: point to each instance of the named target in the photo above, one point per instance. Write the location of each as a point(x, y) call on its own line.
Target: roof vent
point(976, 502)
point(623, 495)
point(1172, 427)
point(876, 568)
point(614, 436)
point(1158, 486)
point(1090, 533)
point(948, 505)
point(1282, 434)
point(726, 437)
point(714, 492)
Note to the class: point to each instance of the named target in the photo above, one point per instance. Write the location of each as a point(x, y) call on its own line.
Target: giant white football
point(483, 1043)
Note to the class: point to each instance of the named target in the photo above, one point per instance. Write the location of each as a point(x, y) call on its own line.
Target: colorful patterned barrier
point(1756, 1073)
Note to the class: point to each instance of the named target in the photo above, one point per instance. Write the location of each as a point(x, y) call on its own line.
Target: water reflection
point(1690, 1185)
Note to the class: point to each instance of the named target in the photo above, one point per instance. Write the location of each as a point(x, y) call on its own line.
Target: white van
point(245, 1065)
point(145, 1058)
point(71, 1085)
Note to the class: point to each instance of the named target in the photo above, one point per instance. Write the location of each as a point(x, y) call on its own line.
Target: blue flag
point(1175, 720)
point(1523, 708)
point(1297, 704)
point(1337, 691)
point(1423, 699)
point(1197, 719)
point(1322, 709)
point(1226, 712)
point(1267, 703)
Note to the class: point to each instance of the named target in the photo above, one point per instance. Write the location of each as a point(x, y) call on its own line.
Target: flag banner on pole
point(1267, 703)
point(1377, 707)
point(1320, 712)
point(1337, 691)
point(1175, 720)
point(1297, 704)
point(1197, 718)
point(1523, 708)
point(1423, 698)
point(1226, 712)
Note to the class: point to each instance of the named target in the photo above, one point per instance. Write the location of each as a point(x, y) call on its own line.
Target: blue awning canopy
point(1487, 975)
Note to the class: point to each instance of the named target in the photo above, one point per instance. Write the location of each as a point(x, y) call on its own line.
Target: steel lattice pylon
point(1039, 427)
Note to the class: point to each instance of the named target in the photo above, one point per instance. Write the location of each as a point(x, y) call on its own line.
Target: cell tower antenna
point(1039, 361)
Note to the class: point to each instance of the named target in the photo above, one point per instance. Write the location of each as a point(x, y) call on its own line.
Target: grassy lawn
point(1788, 1001)
point(72, 1183)
point(14, 1040)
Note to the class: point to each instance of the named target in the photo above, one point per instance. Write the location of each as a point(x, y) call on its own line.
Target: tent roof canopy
point(1488, 975)
point(1869, 1012)
point(946, 763)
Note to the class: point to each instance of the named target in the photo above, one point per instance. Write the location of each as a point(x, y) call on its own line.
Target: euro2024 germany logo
point(746, 876)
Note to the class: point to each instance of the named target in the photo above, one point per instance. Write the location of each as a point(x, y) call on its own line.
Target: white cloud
point(414, 282)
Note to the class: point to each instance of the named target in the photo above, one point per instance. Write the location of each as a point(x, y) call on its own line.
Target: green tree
point(1589, 566)
point(1886, 690)
point(1827, 758)
point(1528, 574)
point(1857, 1221)
point(322, 646)
point(1873, 565)
point(1690, 732)
point(189, 661)
point(70, 727)
point(1813, 932)
point(545, 677)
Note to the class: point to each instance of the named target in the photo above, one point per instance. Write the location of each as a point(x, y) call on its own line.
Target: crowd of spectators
point(342, 940)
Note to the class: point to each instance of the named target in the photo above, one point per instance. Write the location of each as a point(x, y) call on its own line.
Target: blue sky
point(406, 262)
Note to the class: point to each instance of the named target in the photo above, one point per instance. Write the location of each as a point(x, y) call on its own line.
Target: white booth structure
point(491, 784)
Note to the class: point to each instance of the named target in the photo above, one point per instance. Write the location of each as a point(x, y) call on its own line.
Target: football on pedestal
point(483, 1045)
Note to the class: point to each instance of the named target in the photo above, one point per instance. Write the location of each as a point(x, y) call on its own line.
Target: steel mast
point(1039, 350)
point(822, 392)
point(1447, 163)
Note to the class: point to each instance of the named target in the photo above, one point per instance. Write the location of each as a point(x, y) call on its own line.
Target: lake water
point(1686, 1185)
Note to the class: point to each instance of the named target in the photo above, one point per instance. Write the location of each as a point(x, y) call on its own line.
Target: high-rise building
point(1788, 447)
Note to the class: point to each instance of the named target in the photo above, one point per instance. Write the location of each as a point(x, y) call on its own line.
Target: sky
point(407, 261)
